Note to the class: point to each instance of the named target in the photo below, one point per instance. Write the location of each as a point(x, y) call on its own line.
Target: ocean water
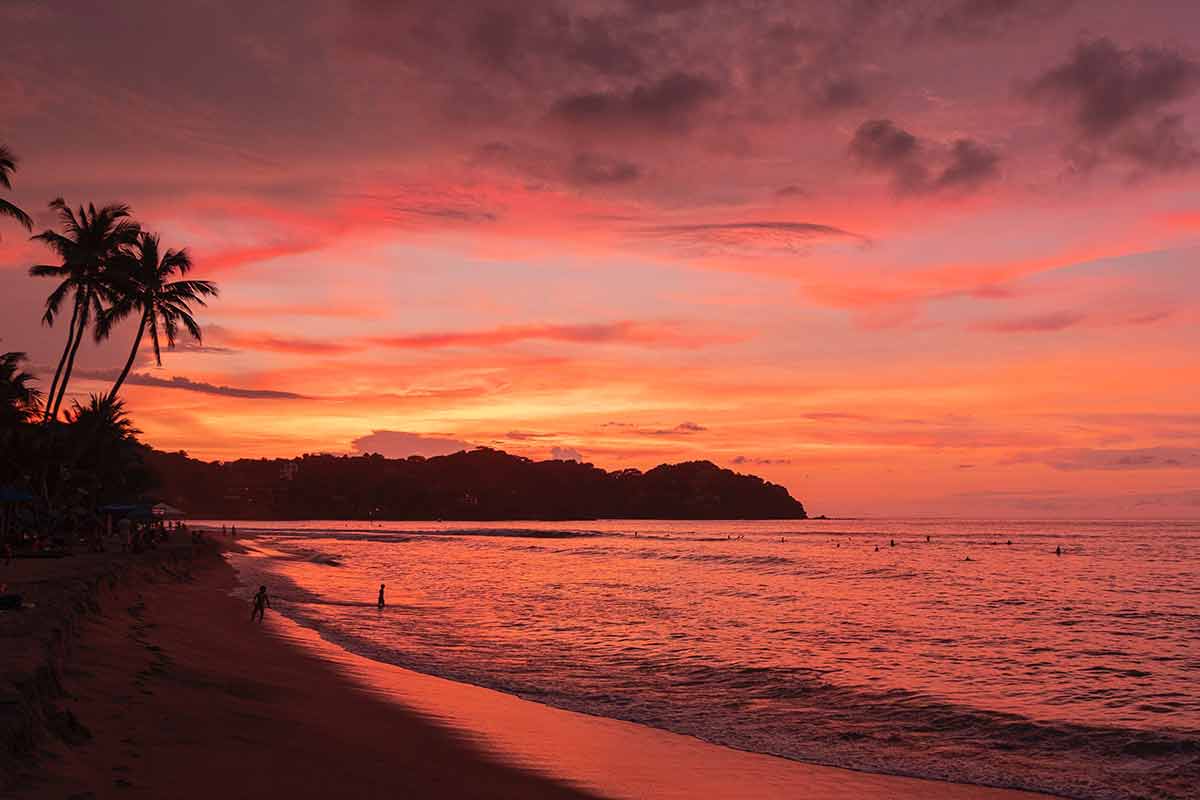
point(978, 655)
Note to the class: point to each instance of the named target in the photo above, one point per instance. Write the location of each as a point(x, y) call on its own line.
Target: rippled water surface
point(978, 655)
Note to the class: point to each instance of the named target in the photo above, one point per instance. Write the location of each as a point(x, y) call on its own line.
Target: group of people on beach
point(262, 601)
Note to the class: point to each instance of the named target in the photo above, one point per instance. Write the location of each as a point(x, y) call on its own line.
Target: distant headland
point(480, 484)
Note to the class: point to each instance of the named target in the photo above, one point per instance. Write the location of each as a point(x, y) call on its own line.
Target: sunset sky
point(901, 257)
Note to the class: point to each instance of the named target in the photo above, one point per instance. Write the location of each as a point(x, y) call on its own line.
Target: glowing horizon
point(933, 259)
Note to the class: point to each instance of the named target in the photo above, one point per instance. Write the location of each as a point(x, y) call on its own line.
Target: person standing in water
point(261, 603)
point(381, 588)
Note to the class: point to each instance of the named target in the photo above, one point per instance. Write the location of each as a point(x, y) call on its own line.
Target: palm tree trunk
point(137, 340)
point(62, 360)
point(62, 387)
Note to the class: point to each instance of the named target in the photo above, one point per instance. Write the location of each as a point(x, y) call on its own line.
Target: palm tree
point(104, 458)
point(89, 244)
point(102, 423)
point(19, 400)
point(8, 165)
point(163, 304)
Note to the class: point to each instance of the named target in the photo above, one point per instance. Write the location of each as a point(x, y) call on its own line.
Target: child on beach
point(261, 603)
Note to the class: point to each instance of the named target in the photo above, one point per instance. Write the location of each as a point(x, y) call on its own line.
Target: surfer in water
point(261, 603)
point(381, 588)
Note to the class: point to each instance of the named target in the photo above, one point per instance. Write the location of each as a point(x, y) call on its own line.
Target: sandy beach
point(178, 695)
point(165, 689)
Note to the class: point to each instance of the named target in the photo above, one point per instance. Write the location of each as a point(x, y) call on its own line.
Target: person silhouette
point(261, 602)
point(381, 587)
point(1058, 550)
point(893, 543)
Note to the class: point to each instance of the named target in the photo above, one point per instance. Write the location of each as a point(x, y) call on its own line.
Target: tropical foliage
point(8, 165)
point(92, 243)
point(146, 288)
point(19, 398)
point(107, 269)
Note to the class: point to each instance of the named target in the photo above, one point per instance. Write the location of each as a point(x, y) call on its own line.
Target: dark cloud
point(1054, 321)
point(593, 169)
point(463, 214)
point(1108, 87)
point(666, 6)
point(523, 436)
point(1119, 99)
point(970, 165)
point(596, 45)
point(1098, 459)
point(740, 460)
point(1164, 146)
point(879, 143)
point(745, 239)
point(975, 19)
point(187, 384)
point(661, 106)
point(1061, 320)
point(494, 37)
point(628, 332)
point(682, 429)
point(838, 94)
point(803, 229)
point(402, 444)
point(791, 190)
point(919, 167)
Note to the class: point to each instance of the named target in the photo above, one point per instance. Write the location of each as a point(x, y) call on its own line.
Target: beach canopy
point(167, 511)
point(128, 510)
point(11, 494)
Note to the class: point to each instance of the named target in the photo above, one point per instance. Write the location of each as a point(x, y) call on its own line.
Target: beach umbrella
point(167, 511)
point(11, 494)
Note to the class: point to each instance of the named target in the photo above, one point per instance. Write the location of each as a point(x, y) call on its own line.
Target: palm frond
point(7, 209)
point(54, 301)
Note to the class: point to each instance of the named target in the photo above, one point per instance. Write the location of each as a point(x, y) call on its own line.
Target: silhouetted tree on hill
point(477, 484)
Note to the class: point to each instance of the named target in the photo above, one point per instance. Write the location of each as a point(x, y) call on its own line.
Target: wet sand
point(181, 696)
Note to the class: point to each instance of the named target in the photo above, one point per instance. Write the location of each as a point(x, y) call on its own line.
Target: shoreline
point(166, 679)
point(171, 692)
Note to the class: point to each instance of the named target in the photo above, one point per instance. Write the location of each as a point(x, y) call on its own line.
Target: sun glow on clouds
point(796, 244)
